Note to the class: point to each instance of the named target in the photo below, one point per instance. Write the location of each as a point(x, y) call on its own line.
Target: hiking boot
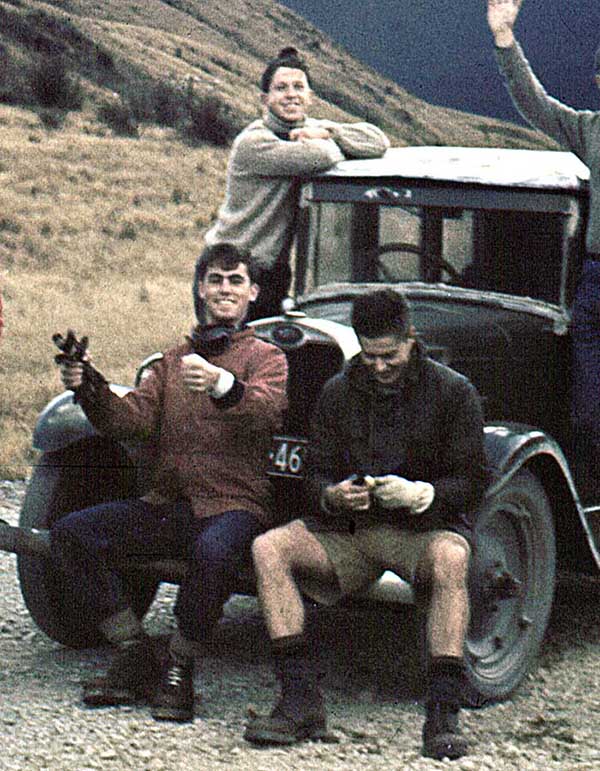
point(441, 734)
point(131, 677)
point(288, 726)
point(174, 697)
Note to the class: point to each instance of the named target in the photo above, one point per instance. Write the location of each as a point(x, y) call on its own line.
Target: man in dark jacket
point(210, 406)
point(396, 471)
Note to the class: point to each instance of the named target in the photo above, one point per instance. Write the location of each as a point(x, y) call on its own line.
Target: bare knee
point(446, 561)
point(273, 547)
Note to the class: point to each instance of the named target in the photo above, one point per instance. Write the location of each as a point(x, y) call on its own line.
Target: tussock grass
point(126, 321)
point(96, 234)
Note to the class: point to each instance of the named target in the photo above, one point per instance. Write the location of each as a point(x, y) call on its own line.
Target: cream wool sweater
point(264, 176)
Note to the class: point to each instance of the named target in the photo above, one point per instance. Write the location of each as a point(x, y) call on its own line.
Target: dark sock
point(446, 680)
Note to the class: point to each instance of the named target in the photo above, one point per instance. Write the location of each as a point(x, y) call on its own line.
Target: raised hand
point(73, 354)
point(75, 362)
point(501, 16)
point(71, 349)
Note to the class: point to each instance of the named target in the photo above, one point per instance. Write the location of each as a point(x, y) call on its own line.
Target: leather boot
point(131, 677)
point(441, 733)
point(299, 713)
point(174, 697)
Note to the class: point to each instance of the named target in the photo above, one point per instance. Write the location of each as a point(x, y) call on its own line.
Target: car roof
point(543, 169)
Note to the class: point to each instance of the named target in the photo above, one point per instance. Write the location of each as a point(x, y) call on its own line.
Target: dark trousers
point(586, 355)
point(87, 544)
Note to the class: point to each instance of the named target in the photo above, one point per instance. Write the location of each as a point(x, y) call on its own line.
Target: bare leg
point(445, 568)
point(280, 556)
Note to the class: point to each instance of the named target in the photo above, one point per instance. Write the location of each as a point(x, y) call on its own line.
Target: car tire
point(512, 584)
point(90, 473)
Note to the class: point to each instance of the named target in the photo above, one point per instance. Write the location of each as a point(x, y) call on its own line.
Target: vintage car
point(487, 245)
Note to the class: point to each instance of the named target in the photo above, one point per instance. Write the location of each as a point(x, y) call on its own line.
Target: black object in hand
point(71, 349)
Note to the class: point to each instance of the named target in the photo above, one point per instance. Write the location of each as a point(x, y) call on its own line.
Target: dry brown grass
point(92, 237)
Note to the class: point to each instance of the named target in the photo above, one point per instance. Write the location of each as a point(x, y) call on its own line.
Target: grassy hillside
point(99, 230)
point(133, 49)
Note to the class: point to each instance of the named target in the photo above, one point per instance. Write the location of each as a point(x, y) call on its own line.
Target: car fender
point(63, 422)
point(513, 446)
point(509, 446)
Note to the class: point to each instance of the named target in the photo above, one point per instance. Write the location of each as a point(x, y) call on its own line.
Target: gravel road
point(552, 722)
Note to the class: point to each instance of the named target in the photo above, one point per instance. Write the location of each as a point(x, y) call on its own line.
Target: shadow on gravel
point(377, 648)
point(373, 648)
point(575, 619)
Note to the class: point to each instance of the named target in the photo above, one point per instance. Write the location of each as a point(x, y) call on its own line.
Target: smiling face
point(226, 294)
point(289, 95)
point(386, 357)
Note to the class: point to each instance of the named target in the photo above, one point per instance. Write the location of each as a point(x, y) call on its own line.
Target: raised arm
point(501, 16)
point(571, 128)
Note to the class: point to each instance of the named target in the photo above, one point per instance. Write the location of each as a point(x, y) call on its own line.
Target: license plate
point(286, 458)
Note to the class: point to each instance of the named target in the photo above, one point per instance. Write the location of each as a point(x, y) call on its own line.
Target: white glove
point(394, 492)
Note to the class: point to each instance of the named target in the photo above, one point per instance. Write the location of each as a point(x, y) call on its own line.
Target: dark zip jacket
point(427, 428)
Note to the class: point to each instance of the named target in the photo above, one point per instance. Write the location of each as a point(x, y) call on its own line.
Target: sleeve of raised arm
point(358, 140)
point(262, 153)
point(262, 395)
point(133, 416)
point(563, 123)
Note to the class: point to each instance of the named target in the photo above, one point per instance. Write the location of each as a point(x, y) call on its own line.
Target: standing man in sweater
point(579, 132)
point(268, 160)
point(210, 405)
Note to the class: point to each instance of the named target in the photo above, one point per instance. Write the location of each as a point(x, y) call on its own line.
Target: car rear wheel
point(83, 476)
point(512, 587)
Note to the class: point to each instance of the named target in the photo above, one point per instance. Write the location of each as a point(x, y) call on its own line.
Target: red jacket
point(210, 451)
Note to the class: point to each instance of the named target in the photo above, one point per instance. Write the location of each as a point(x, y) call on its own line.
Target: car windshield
point(513, 252)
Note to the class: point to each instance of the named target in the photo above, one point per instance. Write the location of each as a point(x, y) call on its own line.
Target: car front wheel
point(84, 475)
point(511, 586)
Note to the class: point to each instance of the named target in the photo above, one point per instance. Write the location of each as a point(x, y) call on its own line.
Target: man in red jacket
point(211, 405)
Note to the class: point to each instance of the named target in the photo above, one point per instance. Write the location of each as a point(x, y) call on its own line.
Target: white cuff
point(223, 385)
point(424, 495)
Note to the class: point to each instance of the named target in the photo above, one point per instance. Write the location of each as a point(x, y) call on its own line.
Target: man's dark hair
point(226, 257)
point(380, 313)
point(287, 57)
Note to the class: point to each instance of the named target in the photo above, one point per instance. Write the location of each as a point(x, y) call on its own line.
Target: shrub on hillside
point(52, 85)
point(210, 120)
point(119, 117)
point(169, 104)
point(8, 77)
point(52, 119)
